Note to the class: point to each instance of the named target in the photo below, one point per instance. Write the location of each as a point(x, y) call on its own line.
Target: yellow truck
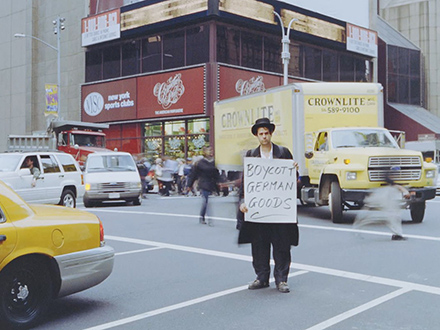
point(335, 132)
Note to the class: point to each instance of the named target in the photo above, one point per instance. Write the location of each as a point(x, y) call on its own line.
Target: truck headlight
point(88, 186)
point(430, 174)
point(351, 176)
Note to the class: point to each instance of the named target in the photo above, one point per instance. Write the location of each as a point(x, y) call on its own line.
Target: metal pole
point(59, 64)
point(285, 41)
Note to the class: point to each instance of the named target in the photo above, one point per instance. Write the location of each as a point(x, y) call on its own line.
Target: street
point(173, 273)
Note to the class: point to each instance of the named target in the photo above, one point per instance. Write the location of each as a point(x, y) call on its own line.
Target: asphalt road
point(173, 273)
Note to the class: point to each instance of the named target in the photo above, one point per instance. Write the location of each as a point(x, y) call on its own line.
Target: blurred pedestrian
point(382, 206)
point(208, 177)
point(164, 178)
point(281, 236)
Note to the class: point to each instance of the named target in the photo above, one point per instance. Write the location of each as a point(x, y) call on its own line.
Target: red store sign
point(174, 93)
point(111, 101)
point(170, 94)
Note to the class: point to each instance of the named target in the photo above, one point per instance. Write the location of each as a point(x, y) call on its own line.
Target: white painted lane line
point(137, 251)
point(360, 309)
point(351, 230)
point(304, 267)
point(170, 308)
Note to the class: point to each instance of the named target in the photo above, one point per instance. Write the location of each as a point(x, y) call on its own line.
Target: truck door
point(320, 157)
point(53, 178)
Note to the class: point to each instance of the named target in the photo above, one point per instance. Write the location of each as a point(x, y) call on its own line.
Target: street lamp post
point(58, 26)
point(285, 41)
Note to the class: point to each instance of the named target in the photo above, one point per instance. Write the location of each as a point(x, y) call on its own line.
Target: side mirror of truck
point(309, 154)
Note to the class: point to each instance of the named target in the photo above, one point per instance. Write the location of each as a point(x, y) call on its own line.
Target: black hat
point(262, 122)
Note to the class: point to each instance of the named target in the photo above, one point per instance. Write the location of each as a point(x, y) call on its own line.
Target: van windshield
point(363, 138)
point(110, 163)
point(8, 163)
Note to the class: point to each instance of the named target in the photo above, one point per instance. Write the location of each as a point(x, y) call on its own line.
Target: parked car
point(111, 176)
point(59, 180)
point(46, 252)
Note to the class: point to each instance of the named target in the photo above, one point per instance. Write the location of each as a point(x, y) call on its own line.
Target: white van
point(59, 179)
point(111, 176)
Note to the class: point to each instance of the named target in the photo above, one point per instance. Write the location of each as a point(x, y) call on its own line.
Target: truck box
point(335, 132)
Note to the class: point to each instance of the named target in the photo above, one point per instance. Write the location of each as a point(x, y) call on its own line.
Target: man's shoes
point(283, 287)
point(202, 220)
point(396, 237)
point(257, 284)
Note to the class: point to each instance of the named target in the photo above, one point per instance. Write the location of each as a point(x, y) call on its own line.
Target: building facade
point(156, 82)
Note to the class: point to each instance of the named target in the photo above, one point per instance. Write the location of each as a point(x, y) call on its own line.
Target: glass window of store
point(176, 139)
point(130, 58)
point(346, 63)
point(93, 65)
point(330, 65)
point(151, 54)
point(295, 62)
point(272, 51)
point(228, 45)
point(312, 63)
point(173, 50)
point(252, 50)
point(197, 45)
point(111, 62)
point(403, 85)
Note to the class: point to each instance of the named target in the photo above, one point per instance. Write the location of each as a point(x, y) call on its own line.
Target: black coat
point(207, 174)
point(287, 232)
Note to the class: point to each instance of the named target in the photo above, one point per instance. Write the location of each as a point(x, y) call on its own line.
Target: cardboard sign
point(270, 190)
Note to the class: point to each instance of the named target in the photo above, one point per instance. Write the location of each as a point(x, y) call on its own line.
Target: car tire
point(335, 202)
point(25, 293)
point(68, 198)
point(417, 211)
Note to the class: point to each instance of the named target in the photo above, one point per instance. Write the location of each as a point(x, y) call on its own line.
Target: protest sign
point(270, 190)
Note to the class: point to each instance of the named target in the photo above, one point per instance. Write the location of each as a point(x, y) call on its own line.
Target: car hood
point(103, 177)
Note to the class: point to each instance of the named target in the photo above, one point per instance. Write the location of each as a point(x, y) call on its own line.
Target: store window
point(175, 128)
point(151, 54)
point(228, 45)
point(361, 70)
point(404, 83)
point(330, 66)
point(173, 50)
point(111, 62)
point(153, 129)
point(175, 146)
point(252, 51)
point(272, 55)
point(295, 62)
point(197, 45)
point(198, 126)
point(346, 64)
point(130, 58)
point(93, 65)
point(312, 63)
point(153, 148)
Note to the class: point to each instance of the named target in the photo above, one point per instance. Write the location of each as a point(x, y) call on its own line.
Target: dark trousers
point(269, 235)
point(205, 195)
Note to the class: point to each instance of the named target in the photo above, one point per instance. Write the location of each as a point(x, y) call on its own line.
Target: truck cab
point(347, 162)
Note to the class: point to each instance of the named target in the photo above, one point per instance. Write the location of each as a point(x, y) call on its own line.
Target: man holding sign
point(269, 192)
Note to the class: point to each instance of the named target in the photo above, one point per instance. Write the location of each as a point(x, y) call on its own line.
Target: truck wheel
point(335, 202)
point(417, 211)
point(25, 293)
point(68, 198)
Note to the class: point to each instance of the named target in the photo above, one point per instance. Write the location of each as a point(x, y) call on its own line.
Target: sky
point(352, 11)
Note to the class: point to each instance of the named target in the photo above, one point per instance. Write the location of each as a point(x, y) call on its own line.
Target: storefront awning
point(419, 115)
point(391, 36)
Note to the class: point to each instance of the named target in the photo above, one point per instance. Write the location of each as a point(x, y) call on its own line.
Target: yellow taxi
point(46, 252)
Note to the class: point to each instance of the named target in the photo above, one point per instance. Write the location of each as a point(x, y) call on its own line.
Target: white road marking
point(167, 309)
point(357, 310)
point(137, 251)
point(352, 230)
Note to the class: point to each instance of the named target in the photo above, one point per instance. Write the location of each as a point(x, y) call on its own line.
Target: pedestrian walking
point(281, 236)
point(208, 177)
point(382, 206)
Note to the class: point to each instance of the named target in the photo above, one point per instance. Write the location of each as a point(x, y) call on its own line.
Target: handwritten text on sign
point(270, 190)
